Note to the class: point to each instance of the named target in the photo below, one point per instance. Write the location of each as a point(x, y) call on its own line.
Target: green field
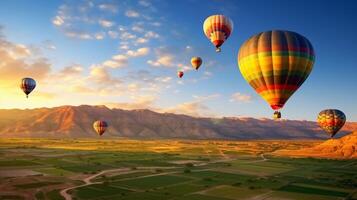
point(184, 170)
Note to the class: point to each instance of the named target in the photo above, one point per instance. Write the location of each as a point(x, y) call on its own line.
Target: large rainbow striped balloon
point(276, 63)
point(331, 120)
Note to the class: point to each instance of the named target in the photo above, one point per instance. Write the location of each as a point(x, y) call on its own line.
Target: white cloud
point(132, 13)
point(163, 61)
point(72, 70)
point(124, 47)
point(141, 40)
point(47, 44)
point(108, 7)
point(239, 97)
point(106, 23)
point(137, 28)
point(139, 52)
point(127, 36)
point(151, 34)
point(113, 34)
point(197, 107)
point(80, 35)
point(100, 75)
point(164, 79)
point(138, 102)
point(112, 64)
point(184, 67)
point(17, 60)
point(99, 36)
point(144, 3)
point(58, 21)
point(117, 61)
point(157, 24)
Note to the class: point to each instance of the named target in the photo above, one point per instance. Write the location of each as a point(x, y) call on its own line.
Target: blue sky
point(126, 54)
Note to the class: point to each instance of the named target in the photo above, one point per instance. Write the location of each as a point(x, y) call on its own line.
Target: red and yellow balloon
point(180, 74)
point(196, 62)
point(276, 63)
point(218, 28)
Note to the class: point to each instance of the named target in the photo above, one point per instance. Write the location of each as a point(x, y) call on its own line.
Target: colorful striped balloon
point(27, 85)
point(331, 120)
point(217, 28)
point(276, 63)
point(196, 62)
point(100, 126)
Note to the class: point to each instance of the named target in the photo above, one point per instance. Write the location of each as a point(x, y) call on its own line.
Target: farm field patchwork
point(188, 170)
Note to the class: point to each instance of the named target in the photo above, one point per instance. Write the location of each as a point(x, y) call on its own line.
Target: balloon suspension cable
point(27, 96)
point(218, 49)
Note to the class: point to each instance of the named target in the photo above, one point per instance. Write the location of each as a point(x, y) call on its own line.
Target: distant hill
point(76, 121)
point(342, 148)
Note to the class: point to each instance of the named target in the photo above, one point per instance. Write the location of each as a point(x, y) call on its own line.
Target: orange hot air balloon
point(217, 28)
point(196, 62)
point(276, 63)
point(27, 85)
point(100, 126)
point(180, 74)
point(331, 120)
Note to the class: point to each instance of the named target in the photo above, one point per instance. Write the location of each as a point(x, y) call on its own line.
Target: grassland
point(168, 170)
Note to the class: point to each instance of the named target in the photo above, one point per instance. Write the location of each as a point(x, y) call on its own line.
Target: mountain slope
point(342, 148)
point(76, 121)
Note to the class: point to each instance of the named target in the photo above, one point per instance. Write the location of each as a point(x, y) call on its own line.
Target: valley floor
point(169, 170)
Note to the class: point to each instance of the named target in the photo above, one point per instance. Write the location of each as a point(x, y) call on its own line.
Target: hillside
point(76, 121)
point(345, 147)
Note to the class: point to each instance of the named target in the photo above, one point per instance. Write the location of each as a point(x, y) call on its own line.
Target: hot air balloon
point(100, 126)
point(196, 62)
point(331, 120)
point(180, 74)
point(276, 63)
point(27, 85)
point(217, 28)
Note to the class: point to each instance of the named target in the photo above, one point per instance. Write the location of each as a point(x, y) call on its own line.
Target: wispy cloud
point(163, 61)
point(108, 7)
point(139, 52)
point(239, 97)
point(144, 3)
point(132, 13)
point(106, 23)
point(17, 61)
point(197, 107)
point(57, 21)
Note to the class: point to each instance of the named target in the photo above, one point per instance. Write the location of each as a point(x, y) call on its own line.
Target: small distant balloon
point(217, 29)
point(27, 85)
point(180, 74)
point(100, 126)
point(331, 121)
point(196, 62)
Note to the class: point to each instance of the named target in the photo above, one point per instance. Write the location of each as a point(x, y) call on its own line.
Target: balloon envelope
point(196, 62)
point(27, 85)
point(100, 126)
point(180, 74)
point(217, 29)
point(331, 120)
point(276, 63)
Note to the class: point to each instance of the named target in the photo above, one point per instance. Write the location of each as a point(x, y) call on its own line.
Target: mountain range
point(76, 122)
